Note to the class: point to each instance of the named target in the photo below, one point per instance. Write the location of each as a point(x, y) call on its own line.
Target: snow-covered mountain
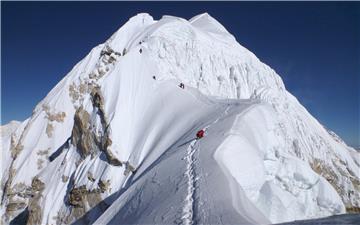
point(114, 140)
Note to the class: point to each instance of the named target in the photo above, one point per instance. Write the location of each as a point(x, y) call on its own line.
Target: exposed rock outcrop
point(17, 198)
point(80, 198)
point(104, 185)
point(324, 170)
point(64, 178)
point(15, 148)
point(83, 137)
point(90, 176)
point(52, 118)
point(43, 152)
point(105, 142)
point(49, 130)
point(34, 208)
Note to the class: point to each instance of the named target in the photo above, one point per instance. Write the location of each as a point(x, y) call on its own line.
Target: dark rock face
point(17, 196)
point(34, 208)
point(321, 168)
point(104, 185)
point(81, 136)
point(8, 192)
point(80, 198)
point(14, 206)
point(77, 195)
point(87, 141)
point(98, 103)
point(91, 135)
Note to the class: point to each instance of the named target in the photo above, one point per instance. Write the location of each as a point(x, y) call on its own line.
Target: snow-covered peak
point(120, 39)
point(187, 51)
point(8, 129)
point(117, 135)
point(205, 22)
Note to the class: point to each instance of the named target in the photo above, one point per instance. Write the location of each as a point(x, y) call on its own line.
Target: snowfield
point(114, 142)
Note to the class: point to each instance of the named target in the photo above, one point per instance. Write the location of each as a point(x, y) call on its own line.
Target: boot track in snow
point(192, 177)
point(190, 174)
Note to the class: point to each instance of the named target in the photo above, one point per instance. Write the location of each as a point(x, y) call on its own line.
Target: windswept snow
point(114, 141)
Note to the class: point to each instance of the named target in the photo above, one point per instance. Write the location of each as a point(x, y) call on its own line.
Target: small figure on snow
point(181, 85)
point(140, 50)
point(200, 134)
point(154, 77)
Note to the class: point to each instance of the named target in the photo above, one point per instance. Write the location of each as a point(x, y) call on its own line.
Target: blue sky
point(314, 46)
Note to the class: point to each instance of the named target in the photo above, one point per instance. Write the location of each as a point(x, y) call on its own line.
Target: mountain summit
point(117, 139)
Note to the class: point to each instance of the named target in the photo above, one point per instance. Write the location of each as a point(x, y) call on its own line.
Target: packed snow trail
point(188, 210)
point(191, 175)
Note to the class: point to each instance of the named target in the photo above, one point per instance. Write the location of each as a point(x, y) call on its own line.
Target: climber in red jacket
point(200, 134)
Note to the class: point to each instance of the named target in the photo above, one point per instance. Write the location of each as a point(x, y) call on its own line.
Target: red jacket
point(200, 134)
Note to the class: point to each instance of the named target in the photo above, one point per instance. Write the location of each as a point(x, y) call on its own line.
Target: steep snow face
point(187, 174)
point(282, 186)
point(202, 54)
point(113, 142)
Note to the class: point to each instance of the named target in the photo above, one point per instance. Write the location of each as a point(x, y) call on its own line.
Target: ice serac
point(114, 141)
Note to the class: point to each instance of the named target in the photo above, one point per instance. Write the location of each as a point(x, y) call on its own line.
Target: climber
point(200, 134)
point(181, 85)
point(140, 50)
point(154, 77)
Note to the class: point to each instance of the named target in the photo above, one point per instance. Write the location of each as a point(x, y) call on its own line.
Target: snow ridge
point(191, 175)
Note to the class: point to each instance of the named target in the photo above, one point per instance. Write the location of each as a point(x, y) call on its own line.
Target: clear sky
point(314, 46)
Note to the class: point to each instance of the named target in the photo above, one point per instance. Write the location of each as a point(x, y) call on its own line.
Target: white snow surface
point(264, 158)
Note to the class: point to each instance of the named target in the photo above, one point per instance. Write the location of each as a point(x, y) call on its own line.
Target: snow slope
point(113, 142)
